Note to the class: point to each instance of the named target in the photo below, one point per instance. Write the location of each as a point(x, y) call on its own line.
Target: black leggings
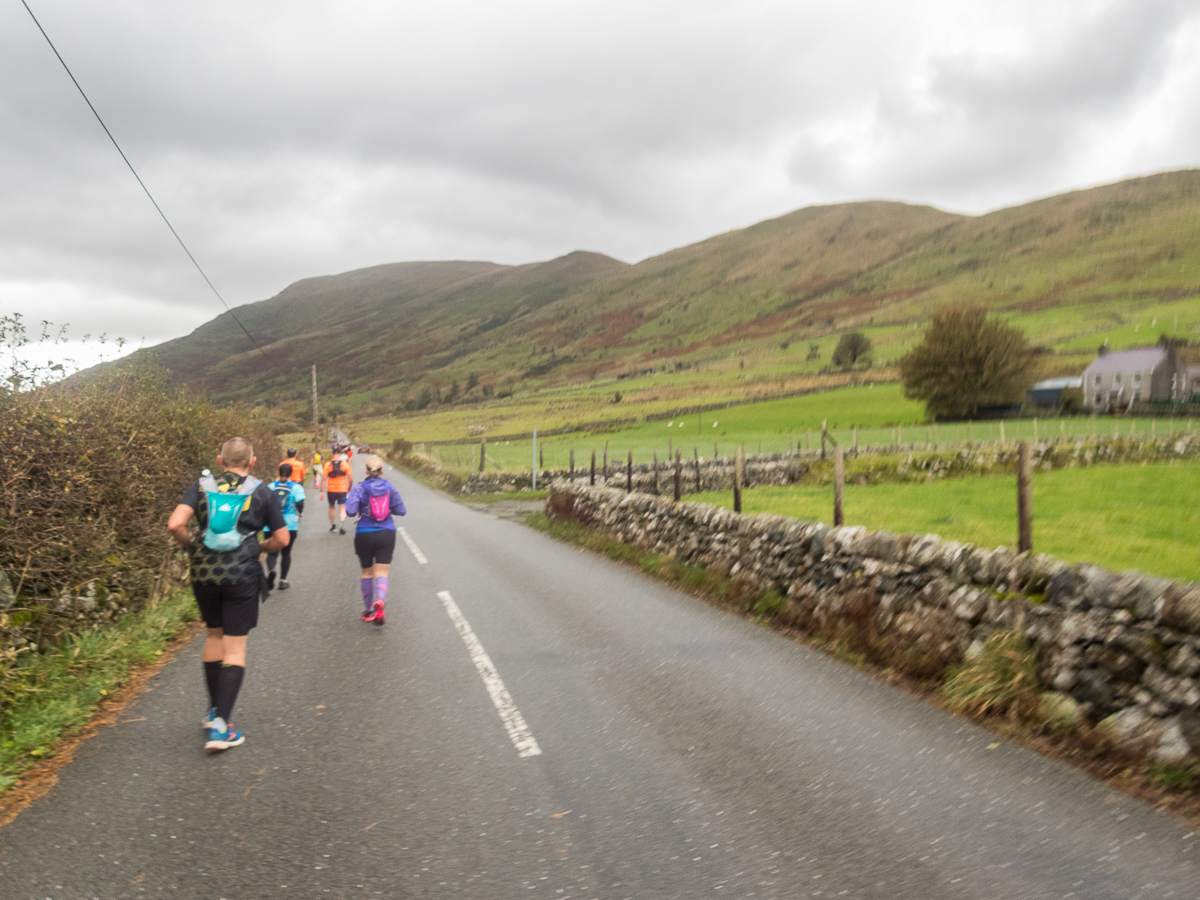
point(286, 553)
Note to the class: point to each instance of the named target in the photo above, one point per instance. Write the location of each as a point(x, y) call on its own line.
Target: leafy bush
point(92, 467)
point(852, 347)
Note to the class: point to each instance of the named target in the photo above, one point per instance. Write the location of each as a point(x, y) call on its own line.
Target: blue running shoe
point(223, 740)
point(207, 721)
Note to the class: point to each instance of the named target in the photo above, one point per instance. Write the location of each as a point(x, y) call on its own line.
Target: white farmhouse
point(1117, 378)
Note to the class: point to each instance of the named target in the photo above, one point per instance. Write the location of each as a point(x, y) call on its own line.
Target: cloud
point(289, 141)
point(993, 124)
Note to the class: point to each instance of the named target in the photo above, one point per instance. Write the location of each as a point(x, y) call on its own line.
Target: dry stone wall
point(883, 464)
point(1120, 649)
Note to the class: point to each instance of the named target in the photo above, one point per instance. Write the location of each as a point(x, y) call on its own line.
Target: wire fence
point(710, 442)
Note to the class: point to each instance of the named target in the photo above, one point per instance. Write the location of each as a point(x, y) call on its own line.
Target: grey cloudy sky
point(298, 138)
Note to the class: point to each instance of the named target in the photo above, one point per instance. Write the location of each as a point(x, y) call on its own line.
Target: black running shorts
point(336, 497)
point(374, 547)
point(230, 607)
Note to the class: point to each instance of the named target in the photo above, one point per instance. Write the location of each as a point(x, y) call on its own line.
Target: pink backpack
point(380, 508)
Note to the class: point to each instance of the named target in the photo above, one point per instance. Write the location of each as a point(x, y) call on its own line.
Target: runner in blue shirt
point(291, 501)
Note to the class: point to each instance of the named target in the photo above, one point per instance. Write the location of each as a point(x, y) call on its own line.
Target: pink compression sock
point(381, 587)
point(368, 593)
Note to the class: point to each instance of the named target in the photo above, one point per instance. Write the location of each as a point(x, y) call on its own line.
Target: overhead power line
point(207, 281)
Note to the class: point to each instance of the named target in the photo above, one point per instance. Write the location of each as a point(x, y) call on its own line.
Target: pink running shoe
point(368, 616)
point(377, 612)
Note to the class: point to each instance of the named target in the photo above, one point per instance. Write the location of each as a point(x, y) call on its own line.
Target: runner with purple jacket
point(374, 501)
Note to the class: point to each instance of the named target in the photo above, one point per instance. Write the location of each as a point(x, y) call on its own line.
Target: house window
point(1117, 378)
point(1097, 379)
point(1098, 399)
point(1137, 395)
point(1137, 377)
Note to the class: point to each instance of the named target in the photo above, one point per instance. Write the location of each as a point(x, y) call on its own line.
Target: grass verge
point(52, 695)
point(998, 690)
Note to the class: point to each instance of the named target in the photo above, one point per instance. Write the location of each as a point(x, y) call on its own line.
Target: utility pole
point(316, 420)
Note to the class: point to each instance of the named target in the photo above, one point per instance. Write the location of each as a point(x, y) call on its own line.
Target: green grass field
point(883, 416)
point(1119, 517)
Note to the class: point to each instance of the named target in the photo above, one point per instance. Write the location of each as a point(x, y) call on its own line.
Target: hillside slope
point(1072, 269)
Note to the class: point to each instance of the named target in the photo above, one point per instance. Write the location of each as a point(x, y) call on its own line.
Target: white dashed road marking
point(514, 722)
point(412, 545)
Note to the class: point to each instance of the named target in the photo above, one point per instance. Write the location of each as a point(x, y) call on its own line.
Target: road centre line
point(514, 722)
point(412, 545)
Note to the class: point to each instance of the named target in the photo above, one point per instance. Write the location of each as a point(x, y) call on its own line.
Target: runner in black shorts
point(227, 583)
point(337, 484)
point(374, 501)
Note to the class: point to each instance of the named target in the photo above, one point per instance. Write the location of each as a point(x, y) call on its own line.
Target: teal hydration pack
point(225, 507)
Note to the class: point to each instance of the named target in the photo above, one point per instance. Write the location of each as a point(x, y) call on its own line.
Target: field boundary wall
point(1121, 650)
point(912, 465)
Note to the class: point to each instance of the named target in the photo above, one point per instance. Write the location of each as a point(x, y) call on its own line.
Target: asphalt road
point(574, 730)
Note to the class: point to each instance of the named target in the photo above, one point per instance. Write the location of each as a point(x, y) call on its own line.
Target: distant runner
point(299, 471)
point(232, 509)
point(375, 501)
point(291, 501)
point(336, 485)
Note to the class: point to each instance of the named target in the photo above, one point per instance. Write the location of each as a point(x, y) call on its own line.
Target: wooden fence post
point(737, 480)
point(572, 464)
point(696, 453)
point(629, 473)
point(839, 485)
point(855, 445)
point(606, 462)
point(655, 467)
point(1024, 497)
point(678, 475)
point(824, 431)
point(482, 453)
point(592, 482)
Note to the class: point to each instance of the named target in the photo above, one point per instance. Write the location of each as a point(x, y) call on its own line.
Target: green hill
point(1120, 262)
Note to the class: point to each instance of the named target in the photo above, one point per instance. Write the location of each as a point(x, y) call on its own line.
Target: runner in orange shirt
point(336, 485)
point(299, 470)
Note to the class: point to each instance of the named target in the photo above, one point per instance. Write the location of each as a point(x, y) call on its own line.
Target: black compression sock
point(210, 678)
point(229, 682)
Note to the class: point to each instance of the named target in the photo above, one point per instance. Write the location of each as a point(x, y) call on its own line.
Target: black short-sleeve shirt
point(238, 565)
